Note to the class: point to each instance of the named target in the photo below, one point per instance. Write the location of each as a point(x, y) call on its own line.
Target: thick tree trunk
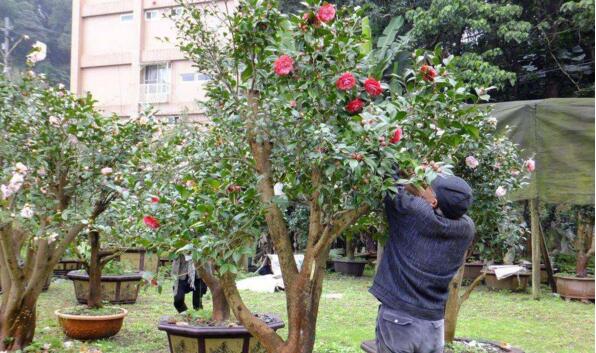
point(453, 305)
point(18, 323)
point(94, 272)
point(221, 307)
point(350, 253)
point(584, 245)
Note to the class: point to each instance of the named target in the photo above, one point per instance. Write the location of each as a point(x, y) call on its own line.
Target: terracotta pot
point(193, 339)
point(116, 289)
point(472, 270)
point(349, 267)
point(517, 282)
point(67, 265)
point(82, 327)
point(572, 287)
point(371, 346)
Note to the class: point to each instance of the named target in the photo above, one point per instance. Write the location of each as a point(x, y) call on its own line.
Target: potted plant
point(49, 197)
point(350, 264)
point(92, 288)
point(580, 285)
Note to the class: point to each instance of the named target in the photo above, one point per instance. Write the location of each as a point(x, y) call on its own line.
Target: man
point(428, 237)
point(187, 280)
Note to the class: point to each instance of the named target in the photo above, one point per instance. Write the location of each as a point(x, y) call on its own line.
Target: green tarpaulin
point(559, 132)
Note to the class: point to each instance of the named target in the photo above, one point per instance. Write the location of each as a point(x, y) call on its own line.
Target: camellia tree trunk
point(221, 307)
point(584, 243)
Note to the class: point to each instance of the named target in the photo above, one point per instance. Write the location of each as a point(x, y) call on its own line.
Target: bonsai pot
point(472, 270)
point(543, 273)
point(67, 265)
point(518, 282)
point(193, 339)
point(138, 259)
point(349, 267)
point(116, 289)
point(571, 287)
point(82, 327)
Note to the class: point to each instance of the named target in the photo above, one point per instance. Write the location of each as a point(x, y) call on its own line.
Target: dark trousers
point(197, 294)
point(398, 332)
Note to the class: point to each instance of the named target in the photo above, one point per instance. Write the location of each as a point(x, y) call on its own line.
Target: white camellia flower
point(27, 211)
point(278, 189)
point(54, 120)
point(21, 168)
point(16, 182)
point(472, 162)
point(6, 191)
point(38, 53)
point(492, 121)
point(501, 191)
point(52, 237)
point(106, 171)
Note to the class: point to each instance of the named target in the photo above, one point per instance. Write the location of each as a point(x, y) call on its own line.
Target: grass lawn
point(550, 325)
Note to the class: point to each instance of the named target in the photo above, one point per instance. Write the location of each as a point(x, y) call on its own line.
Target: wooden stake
point(536, 249)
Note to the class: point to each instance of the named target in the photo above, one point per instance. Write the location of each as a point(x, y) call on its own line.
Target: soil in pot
point(349, 267)
point(572, 287)
point(516, 283)
point(201, 335)
point(115, 289)
point(83, 323)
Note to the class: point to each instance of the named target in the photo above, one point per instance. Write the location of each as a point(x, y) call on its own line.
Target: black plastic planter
point(350, 267)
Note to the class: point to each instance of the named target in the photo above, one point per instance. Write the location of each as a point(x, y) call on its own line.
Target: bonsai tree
point(293, 102)
point(61, 165)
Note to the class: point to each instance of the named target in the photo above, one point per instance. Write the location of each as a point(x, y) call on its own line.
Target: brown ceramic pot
point(116, 289)
point(192, 339)
point(82, 327)
point(349, 267)
point(572, 287)
point(472, 270)
point(517, 282)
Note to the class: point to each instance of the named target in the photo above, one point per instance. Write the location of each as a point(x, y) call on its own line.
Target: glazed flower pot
point(82, 327)
point(65, 266)
point(516, 283)
point(349, 267)
point(472, 270)
point(571, 287)
point(137, 259)
point(116, 289)
point(193, 339)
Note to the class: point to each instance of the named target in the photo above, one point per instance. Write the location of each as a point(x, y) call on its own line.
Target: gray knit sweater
point(423, 253)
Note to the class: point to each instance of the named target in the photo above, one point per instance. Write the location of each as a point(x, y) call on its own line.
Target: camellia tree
point(298, 117)
point(61, 165)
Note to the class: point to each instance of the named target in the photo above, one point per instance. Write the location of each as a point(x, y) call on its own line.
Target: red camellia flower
point(154, 199)
point(346, 81)
point(326, 13)
point(355, 105)
point(428, 73)
point(151, 222)
point(234, 188)
point(373, 87)
point(283, 65)
point(396, 135)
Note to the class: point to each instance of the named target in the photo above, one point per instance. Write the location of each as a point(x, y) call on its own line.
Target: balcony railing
point(155, 92)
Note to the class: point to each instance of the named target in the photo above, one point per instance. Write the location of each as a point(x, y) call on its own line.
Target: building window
point(173, 119)
point(177, 11)
point(203, 77)
point(151, 15)
point(155, 83)
point(127, 17)
point(188, 77)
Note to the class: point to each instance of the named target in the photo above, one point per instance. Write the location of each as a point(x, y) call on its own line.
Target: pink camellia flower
point(106, 171)
point(326, 13)
point(346, 81)
point(500, 192)
point(373, 87)
point(515, 172)
point(355, 106)
point(471, 162)
point(293, 103)
point(283, 65)
point(530, 165)
point(397, 134)
point(428, 73)
point(151, 222)
point(154, 199)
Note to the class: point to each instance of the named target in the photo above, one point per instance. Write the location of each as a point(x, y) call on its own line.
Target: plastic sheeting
point(559, 132)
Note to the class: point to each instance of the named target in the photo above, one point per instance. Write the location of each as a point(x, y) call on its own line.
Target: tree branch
point(338, 224)
point(471, 288)
point(9, 255)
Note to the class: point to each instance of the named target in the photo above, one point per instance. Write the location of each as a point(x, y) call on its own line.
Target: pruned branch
point(471, 288)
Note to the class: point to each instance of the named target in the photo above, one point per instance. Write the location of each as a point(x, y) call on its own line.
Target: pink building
point(119, 55)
